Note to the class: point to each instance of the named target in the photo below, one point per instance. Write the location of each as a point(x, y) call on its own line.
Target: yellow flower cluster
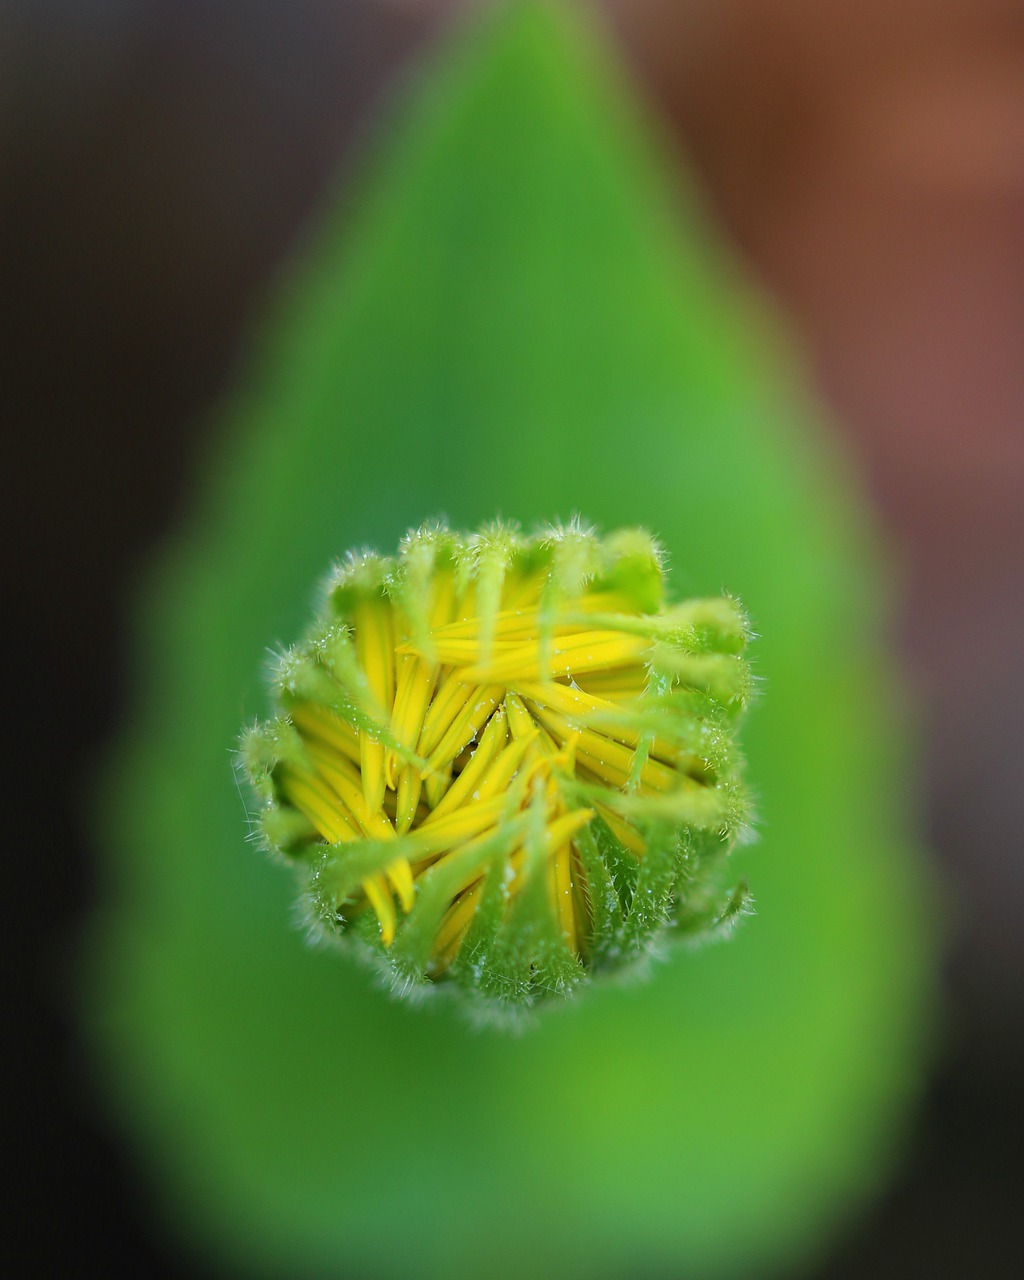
point(485, 733)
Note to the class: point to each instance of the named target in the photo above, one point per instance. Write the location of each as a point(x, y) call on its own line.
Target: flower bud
point(504, 763)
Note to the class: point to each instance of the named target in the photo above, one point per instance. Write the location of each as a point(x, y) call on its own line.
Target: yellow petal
point(466, 725)
point(410, 785)
point(583, 651)
point(315, 721)
point(371, 760)
point(400, 875)
point(380, 899)
point(562, 877)
point(499, 775)
point(374, 823)
point(624, 833)
point(451, 697)
point(436, 784)
point(375, 651)
point(455, 924)
point(456, 828)
point(490, 746)
point(609, 760)
point(317, 802)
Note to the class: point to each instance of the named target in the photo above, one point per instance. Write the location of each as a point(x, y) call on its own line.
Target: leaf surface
point(517, 315)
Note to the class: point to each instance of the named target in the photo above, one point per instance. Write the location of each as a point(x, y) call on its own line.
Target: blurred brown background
point(157, 159)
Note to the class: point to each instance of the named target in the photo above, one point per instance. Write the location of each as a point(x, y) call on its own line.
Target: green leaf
point(520, 316)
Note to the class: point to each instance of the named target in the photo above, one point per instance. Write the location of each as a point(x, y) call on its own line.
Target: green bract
point(519, 742)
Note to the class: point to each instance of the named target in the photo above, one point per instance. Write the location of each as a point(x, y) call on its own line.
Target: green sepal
point(635, 569)
point(576, 560)
point(325, 671)
point(720, 808)
point(264, 746)
point(531, 959)
point(343, 867)
point(475, 966)
point(713, 751)
point(361, 937)
point(363, 576)
point(426, 554)
point(485, 562)
point(713, 625)
point(611, 873)
point(724, 677)
point(707, 916)
point(286, 831)
point(656, 882)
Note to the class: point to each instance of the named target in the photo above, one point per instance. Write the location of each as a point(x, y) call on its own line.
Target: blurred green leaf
point(516, 316)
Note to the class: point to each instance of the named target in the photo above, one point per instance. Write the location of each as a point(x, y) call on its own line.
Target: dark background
point(157, 158)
